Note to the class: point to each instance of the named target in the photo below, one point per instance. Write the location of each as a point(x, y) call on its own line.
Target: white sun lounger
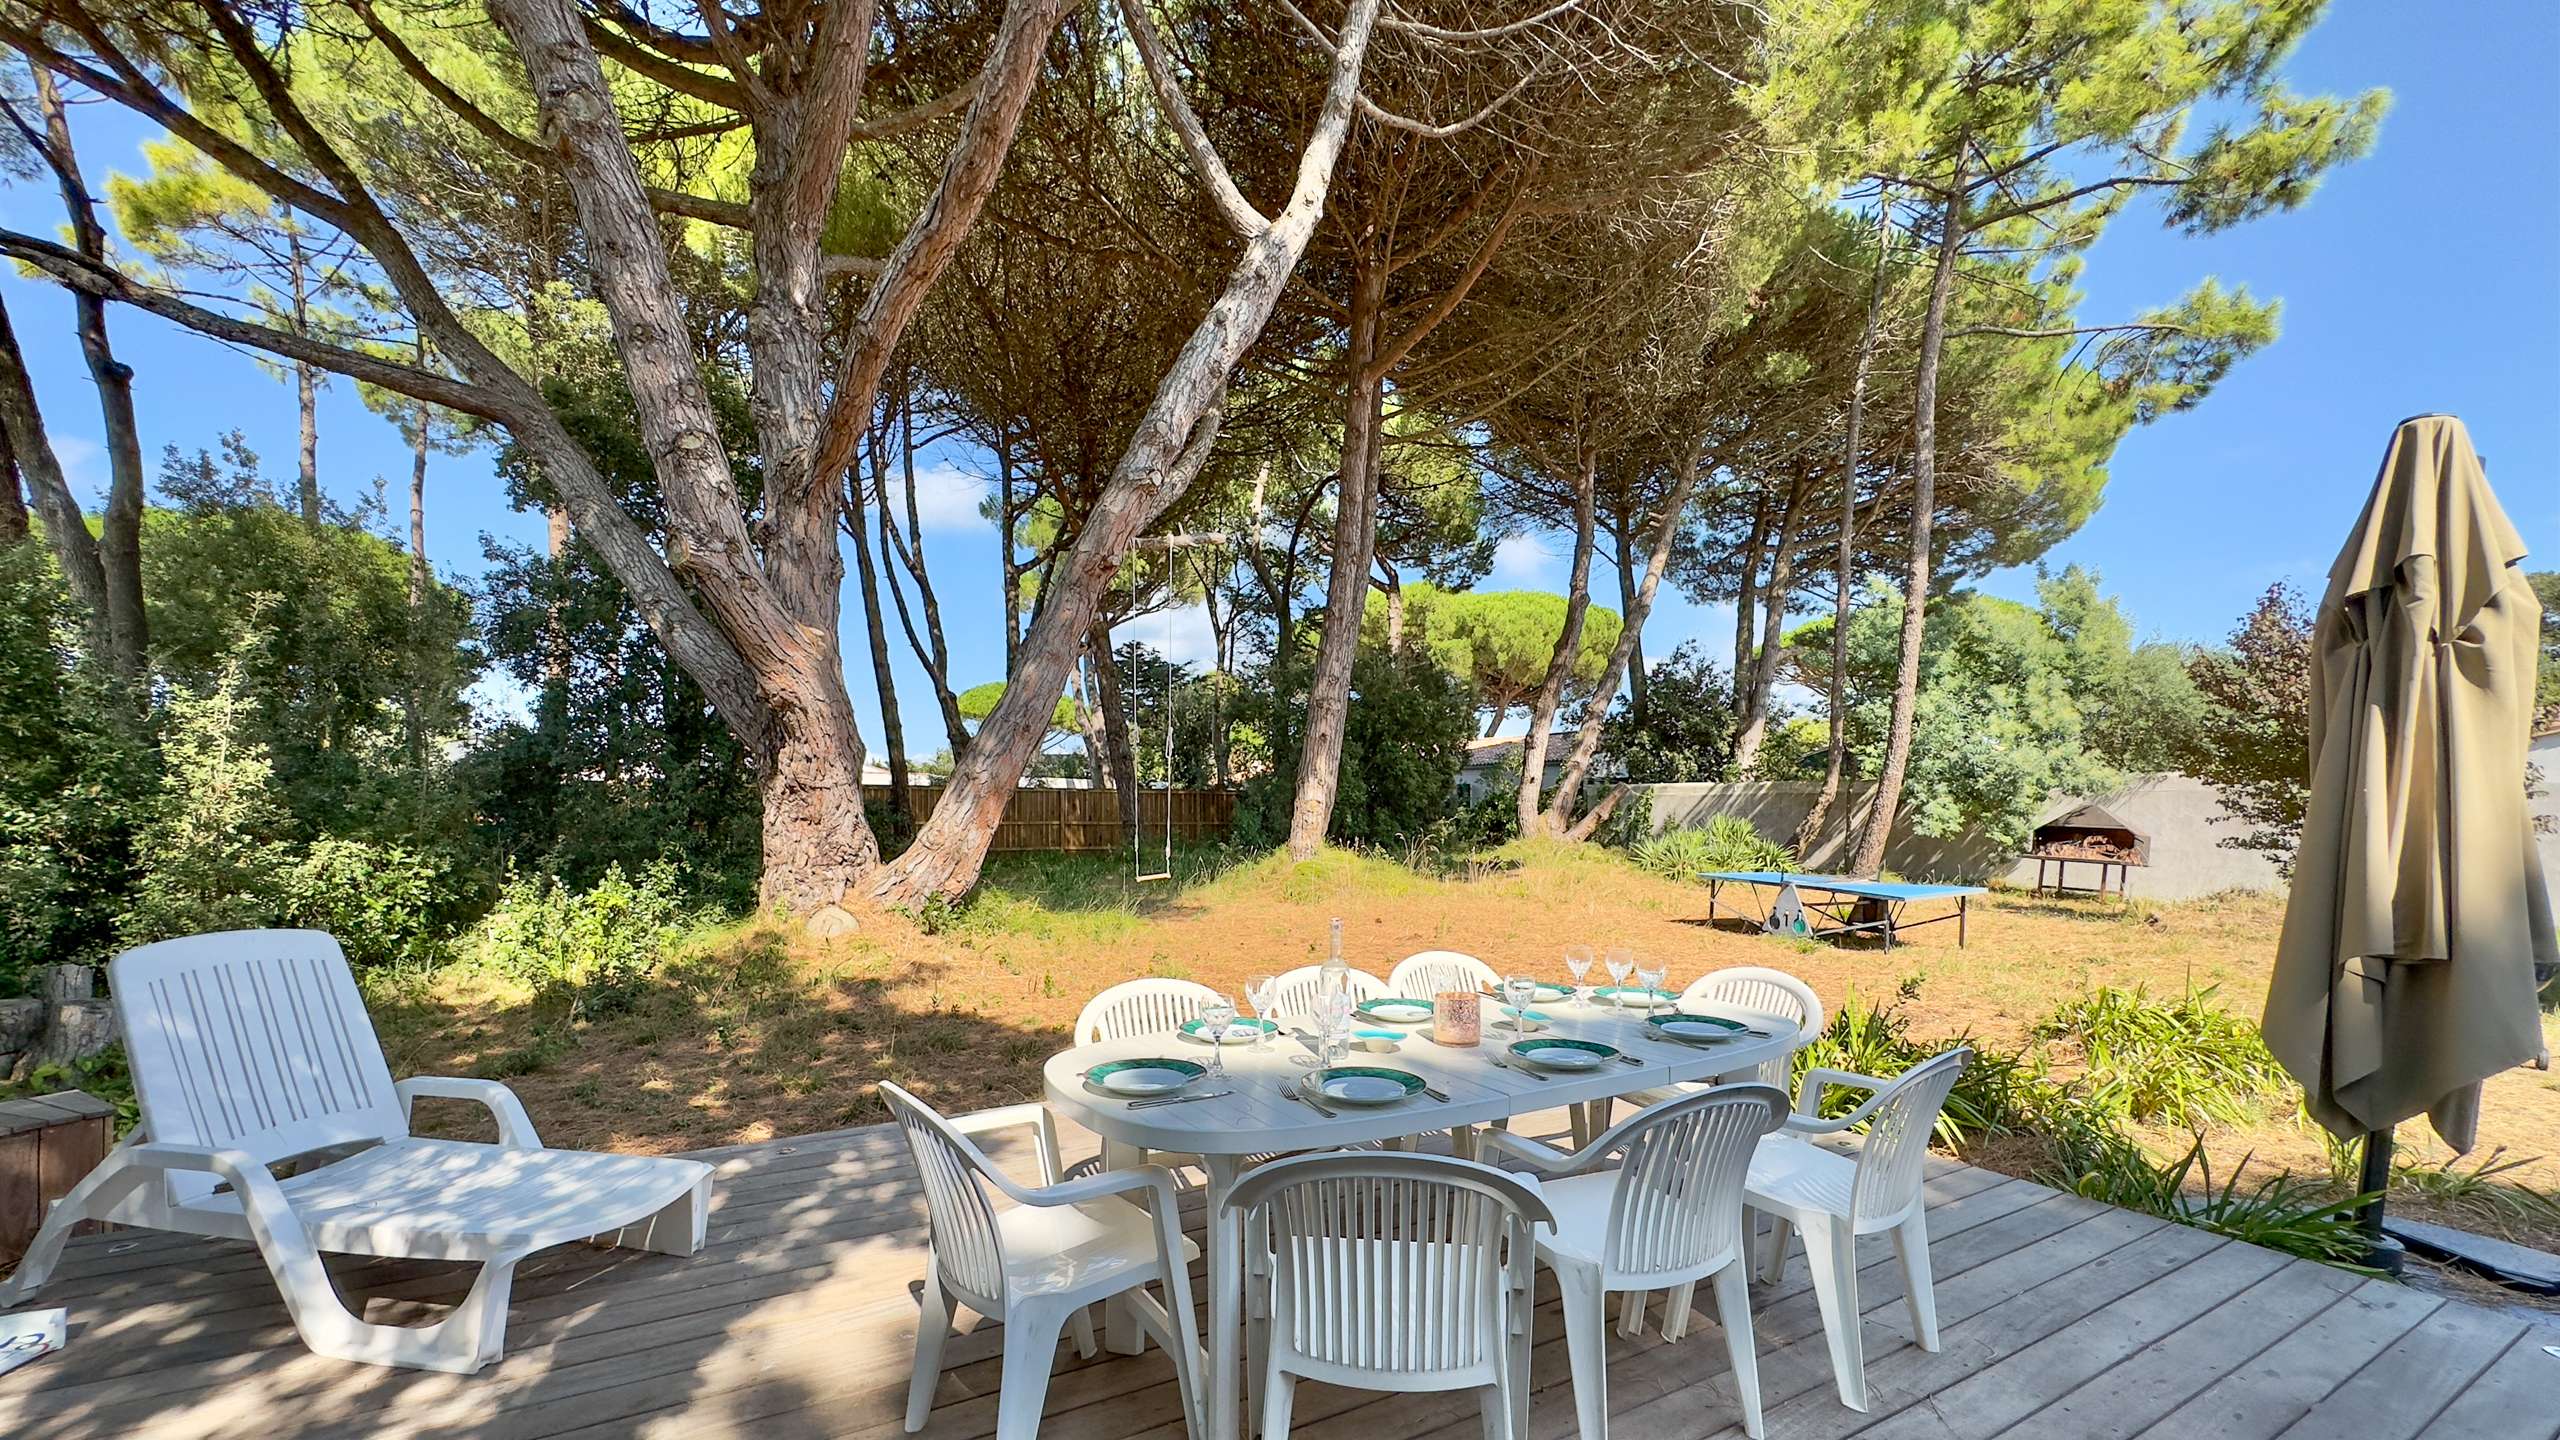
point(252, 1047)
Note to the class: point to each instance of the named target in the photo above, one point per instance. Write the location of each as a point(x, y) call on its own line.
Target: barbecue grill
point(2089, 835)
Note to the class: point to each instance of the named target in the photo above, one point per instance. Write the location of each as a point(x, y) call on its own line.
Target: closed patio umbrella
point(2405, 975)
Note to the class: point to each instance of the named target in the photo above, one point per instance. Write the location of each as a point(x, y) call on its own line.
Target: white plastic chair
point(1762, 991)
point(1668, 1216)
point(1296, 990)
point(1141, 1007)
point(1040, 1264)
point(1432, 971)
point(1389, 1272)
point(252, 1047)
point(1831, 1199)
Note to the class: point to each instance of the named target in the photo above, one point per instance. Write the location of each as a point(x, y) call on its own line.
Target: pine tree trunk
point(66, 529)
point(120, 527)
point(893, 733)
point(1760, 676)
point(1119, 754)
point(1577, 605)
point(1355, 537)
point(1009, 517)
point(1836, 757)
point(415, 719)
point(1878, 829)
point(306, 380)
point(1627, 606)
point(13, 498)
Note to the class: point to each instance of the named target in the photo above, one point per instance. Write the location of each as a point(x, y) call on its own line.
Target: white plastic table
point(1257, 1119)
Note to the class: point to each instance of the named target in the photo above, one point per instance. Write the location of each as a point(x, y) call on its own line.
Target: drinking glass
point(1215, 1018)
point(1577, 959)
point(1650, 974)
point(1520, 990)
point(1259, 992)
point(1621, 963)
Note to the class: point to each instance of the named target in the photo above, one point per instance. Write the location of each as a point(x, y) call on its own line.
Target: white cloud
point(1192, 643)
point(946, 497)
point(84, 465)
point(1520, 562)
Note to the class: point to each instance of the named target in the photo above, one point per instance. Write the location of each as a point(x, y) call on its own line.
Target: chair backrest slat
point(1678, 1203)
point(1141, 1007)
point(1897, 1140)
point(960, 1214)
point(1433, 971)
point(1767, 992)
point(252, 1040)
point(1395, 1264)
point(1295, 991)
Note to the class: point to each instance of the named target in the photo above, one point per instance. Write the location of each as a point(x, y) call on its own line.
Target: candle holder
point(1457, 1017)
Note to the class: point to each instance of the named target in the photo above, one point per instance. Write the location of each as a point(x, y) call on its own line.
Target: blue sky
point(2426, 277)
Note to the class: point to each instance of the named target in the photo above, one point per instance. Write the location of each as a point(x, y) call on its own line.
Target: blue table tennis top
point(1843, 885)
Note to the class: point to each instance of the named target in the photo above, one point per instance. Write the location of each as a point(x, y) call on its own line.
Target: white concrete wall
point(2178, 812)
point(2546, 808)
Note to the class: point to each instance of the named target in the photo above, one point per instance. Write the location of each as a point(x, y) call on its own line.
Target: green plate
point(1562, 1054)
point(1364, 1085)
point(1695, 1029)
point(1397, 1010)
point(1240, 1031)
point(1144, 1077)
point(1633, 997)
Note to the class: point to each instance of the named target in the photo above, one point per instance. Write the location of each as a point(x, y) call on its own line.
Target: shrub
point(602, 946)
point(2186, 1061)
point(1724, 842)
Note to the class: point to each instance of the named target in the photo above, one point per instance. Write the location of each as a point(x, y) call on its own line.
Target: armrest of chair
point(1044, 1128)
point(1546, 1158)
point(515, 1127)
point(1807, 1118)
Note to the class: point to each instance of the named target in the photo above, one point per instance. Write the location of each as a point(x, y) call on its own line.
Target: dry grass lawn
point(750, 1036)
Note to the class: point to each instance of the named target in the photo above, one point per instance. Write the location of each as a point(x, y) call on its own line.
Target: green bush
point(1402, 745)
point(602, 947)
point(1724, 842)
point(2185, 1061)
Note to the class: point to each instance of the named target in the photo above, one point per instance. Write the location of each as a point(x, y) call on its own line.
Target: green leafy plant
point(601, 947)
point(1724, 842)
point(2185, 1061)
point(104, 1076)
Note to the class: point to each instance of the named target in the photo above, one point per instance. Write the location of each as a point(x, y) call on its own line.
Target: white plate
point(1241, 1032)
point(1694, 1032)
point(1145, 1080)
point(1411, 1012)
point(1559, 1057)
point(1361, 1090)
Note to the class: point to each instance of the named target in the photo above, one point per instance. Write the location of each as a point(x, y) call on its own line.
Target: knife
point(1150, 1104)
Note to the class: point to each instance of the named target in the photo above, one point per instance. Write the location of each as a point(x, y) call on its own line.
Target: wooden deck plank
point(2283, 1382)
point(798, 1318)
point(2516, 1398)
point(2400, 1390)
point(2122, 1402)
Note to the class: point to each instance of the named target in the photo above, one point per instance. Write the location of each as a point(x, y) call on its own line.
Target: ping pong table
point(1848, 905)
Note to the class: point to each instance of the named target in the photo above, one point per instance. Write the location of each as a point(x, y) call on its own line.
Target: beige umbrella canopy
point(2405, 975)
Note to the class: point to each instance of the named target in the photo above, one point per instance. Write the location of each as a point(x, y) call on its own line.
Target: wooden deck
point(2063, 1320)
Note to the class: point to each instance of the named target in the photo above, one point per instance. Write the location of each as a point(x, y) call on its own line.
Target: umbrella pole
point(2381, 1251)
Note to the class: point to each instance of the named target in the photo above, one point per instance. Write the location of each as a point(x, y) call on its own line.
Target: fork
point(1519, 1070)
point(1303, 1098)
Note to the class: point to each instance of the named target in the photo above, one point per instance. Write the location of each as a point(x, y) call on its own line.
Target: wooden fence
point(1088, 821)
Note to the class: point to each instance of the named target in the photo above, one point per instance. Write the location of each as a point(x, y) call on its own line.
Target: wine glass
point(1259, 992)
point(1621, 963)
point(1650, 974)
point(1577, 959)
point(1215, 1018)
point(1520, 990)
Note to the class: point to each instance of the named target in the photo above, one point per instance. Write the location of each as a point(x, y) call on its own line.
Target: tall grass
point(1724, 842)
point(2185, 1062)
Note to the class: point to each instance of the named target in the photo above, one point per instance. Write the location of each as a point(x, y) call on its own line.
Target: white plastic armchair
point(1039, 1265)
point(1831, 1199)
point(1432, 971)
point(1666, 1216)
point(252, 1047)
point(1389, 1272)
point(1141, 1007)
point(1762, 991)
point(1295, 991)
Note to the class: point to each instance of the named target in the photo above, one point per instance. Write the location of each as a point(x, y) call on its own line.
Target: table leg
point(1226, 1302)
point(1120, 1332)
point(1964, 906)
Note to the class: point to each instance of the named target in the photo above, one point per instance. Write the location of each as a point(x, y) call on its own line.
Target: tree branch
point(1231, 205)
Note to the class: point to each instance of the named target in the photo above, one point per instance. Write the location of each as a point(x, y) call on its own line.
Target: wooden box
point(46, 1145)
